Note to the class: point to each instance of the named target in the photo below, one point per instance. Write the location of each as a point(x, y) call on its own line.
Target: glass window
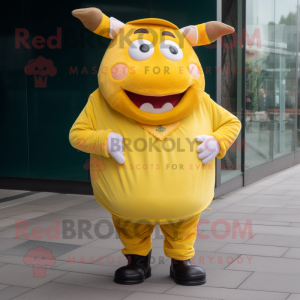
point(260, 66)
point(284, 104)
point(271, 48)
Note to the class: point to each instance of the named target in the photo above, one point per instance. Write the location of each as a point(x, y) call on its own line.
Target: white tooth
point(148, 107)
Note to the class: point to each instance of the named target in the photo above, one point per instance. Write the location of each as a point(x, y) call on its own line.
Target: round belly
point(158, 187)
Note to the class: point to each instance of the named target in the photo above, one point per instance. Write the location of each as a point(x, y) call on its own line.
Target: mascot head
point(150, 71)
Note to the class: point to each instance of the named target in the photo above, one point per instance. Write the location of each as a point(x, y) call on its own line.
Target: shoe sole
point(129, 282)
point(188, 283)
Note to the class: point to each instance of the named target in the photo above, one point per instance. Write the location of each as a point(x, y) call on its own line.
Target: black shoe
point(137, 270)
point(184, 273)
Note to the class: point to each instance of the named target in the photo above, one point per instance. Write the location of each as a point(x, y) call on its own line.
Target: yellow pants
point(179, 237)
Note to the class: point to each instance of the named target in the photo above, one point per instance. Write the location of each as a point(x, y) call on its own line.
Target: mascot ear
point(205, 33)
point(95, 20)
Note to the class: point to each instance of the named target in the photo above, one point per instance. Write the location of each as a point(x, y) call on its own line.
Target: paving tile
point(55, 199)
point(24, 276)
point(94, 212)
point(223, 279)
point(207, 246)
point(254, 250)
point(57, 215)
point(220, 225)
point(294, 231)
point(3, 286)
point(214, 277)
point(96, 268)
point(9, 243)
point(104, 282)
point(54, 290)
point(272, 282)
point(156, 243)
point(222, 237)
point(286, 187)
point(293, 193)
point(28, 225)
point(8, 232)
point(28, 199)
point(233, 198)
point(152, 296)
point(286, 218)
point(235, 208)
point(225, 294)
point(294, 224)
point(293, 253)
point(29, 215)
point(9, 193)
point(8, 221)
point(267, 198)
point(65, 236)
point(267, 264)
point(294, 296)
point(271, 192)
point(219, 216)
point(110, 243)
point(87, 254)
point(270, 223)
point(19, 260)
point(17, 209)
point(64, 205)
point(263, 204)
point(161, 273)
point(243, 217)
point(250, 190)
point(62, 240)
point(217, 205)
point(281, 211)
point(290, 180)
point(12, 291)
point(56, 249)
point(213, 260)
point(274, 240)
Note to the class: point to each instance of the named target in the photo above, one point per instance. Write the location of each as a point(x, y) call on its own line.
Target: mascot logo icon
point(40, 68)
point(39, 258)
point(160, 128)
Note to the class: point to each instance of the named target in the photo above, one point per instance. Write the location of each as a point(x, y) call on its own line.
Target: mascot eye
point(140, 49)
point(171, 50)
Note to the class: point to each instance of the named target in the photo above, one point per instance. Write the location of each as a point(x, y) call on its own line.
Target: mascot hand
point(209, 148)
point(115, 147)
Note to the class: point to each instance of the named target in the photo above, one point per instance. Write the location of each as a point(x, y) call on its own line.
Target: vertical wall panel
point(55, 95)
point(13, 110)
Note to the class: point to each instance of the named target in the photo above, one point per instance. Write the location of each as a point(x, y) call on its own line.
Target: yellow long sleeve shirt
point(161, 181)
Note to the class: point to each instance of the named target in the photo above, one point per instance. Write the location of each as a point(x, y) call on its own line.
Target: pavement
point(62, 246)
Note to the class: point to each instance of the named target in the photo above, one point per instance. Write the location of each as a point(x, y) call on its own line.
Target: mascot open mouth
point(155, 104)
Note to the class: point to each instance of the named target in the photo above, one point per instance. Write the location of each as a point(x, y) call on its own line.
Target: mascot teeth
point(147, 107)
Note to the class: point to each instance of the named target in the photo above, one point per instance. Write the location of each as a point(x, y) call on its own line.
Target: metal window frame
point(218, 84)
point(237, 182)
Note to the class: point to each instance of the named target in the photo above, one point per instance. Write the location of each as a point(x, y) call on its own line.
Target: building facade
point(49, 66)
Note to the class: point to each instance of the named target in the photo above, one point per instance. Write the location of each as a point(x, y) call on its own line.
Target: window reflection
point(270, 79)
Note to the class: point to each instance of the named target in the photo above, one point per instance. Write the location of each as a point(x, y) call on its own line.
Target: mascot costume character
point(155, 133)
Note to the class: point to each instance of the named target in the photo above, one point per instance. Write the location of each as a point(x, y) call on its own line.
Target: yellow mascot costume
point(156, 134)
